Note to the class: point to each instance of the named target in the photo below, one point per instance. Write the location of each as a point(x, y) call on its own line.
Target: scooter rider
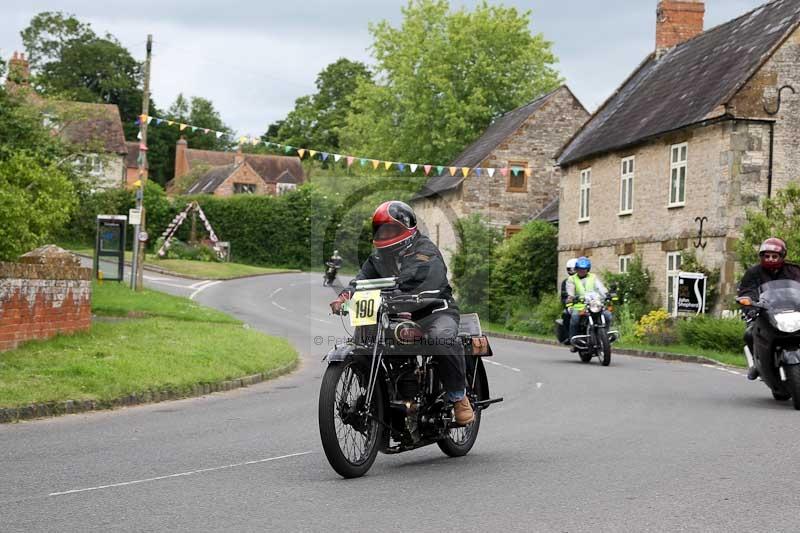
point(578, 286)
point(772, 266)
point(400, 250)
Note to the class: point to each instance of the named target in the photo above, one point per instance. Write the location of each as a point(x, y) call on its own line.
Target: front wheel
point(350, 432)
point(604, 347)
point(459, 441)
point(793, 383)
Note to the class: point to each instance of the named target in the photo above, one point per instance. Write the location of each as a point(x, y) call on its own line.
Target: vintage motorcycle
point(597, 339)
point(330, 273)
point(776, 337)
point(379, 393)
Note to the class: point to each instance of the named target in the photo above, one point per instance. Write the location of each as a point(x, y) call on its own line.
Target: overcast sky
point(254, 58)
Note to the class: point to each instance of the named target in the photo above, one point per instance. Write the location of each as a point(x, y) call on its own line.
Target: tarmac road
point(643, 445)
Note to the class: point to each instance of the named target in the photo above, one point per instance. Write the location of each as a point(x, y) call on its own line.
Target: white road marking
point(276, 291)
point(181, 474)
point(150, 278)
point(318, 319)
point(279, 306)
point(723, 369)
point(170, 284)
point(202, 288)
point(199, 284)
point(502, 365)
point(539, 385)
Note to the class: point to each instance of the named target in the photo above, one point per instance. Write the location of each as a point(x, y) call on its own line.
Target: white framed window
point(626, 185)
point(283, 188)
point(244, 188)
point(91, 163)
point(673, 268)
point(624, 263)
point(679, 156)
point(586, 189)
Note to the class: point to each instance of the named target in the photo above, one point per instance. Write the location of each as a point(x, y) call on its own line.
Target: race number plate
point(364, 308)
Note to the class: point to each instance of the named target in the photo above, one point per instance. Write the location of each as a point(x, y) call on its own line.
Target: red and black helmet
point(393, 223)
point(774, 245)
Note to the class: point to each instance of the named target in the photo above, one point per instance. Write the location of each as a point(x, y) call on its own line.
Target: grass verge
point(176, 344)
point(733, 359)
point(197, 269)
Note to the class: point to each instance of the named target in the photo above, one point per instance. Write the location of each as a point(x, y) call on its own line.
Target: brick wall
point(245, 175)
point(46, 293)
point(678, 21)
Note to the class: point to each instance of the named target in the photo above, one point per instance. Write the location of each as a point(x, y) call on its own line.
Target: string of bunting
point(348, 160)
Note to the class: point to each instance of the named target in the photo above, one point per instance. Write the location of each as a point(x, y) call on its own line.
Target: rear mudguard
point(481, 377)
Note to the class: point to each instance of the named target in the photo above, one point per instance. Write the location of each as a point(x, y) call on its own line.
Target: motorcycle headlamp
point(595, 306)
point(788, 322)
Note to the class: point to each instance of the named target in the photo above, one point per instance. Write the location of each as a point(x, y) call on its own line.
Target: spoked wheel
point(350, 432)
point(604, 347)
point(459, 441)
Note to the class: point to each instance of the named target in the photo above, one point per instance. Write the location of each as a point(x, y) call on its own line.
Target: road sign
point(134, 217)
point(143, 236)
point(691, 294)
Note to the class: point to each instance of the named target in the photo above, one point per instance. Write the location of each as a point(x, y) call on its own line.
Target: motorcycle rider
point(564, 328)
point(401, 250)
point(578, 286)
point(336, 260)
point(772, 266)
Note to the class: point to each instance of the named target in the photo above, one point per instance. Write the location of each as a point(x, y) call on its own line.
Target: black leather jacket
point(756, 276)
point(420, 267)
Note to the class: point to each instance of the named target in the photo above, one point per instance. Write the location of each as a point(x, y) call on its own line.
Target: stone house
point(526, 138)
point(229, 173)
point(697, 134)
point(95, 130)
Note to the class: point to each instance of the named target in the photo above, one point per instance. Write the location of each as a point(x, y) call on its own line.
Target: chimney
point(678, 21)
point(19, 70)
point(238, 159)
point(181, 161)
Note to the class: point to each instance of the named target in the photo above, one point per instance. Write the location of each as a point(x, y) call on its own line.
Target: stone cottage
point(229, 173)
point(527, 137)
point(706, 127)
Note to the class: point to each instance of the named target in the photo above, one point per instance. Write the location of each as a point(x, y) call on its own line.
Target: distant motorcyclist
point(401, 251)
point(332, 267)
point(336, 260)
point(578, 286)
point(570, 272)
point(563, 329)
point(772, 266)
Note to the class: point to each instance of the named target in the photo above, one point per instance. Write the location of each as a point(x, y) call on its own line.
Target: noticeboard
point(690, 296)
point(109, 248)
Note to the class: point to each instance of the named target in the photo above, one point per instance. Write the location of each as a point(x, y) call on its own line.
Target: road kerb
point(51, 409)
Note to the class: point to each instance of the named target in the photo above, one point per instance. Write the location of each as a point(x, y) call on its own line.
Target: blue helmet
point(583, 263)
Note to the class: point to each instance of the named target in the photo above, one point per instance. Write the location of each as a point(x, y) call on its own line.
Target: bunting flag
point(350, 159)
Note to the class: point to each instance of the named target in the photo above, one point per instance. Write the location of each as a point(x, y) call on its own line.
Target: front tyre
point(604, 347)
point(350, 433)
point(793, 384)
point(459, 441)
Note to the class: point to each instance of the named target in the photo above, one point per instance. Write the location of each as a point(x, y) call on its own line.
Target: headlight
point(595, 306)
point(788, 322)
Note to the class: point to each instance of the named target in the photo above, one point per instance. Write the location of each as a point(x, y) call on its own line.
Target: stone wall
point(45, 294)
point(246, 175)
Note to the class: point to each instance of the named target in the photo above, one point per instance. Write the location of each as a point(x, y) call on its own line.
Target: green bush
point(778, 217)
point(473, 261)
point(718, 334)
point(656, 327)
point(538, 319)
point(525, 268)
point(632, 288)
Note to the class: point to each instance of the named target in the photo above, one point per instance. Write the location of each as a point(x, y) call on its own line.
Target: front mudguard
point(339, 353)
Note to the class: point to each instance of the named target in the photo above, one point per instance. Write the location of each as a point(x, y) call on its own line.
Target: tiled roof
point(208, 182)
point(687, 84)
point(91, 126)
point(549, 213)
point(475, 153)
point(269, 167)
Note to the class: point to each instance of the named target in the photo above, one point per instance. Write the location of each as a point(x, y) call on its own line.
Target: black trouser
point(442, 341)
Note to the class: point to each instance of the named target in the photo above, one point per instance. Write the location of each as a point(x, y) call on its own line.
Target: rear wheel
point(793, 383)
point(459, 441)
point(350, 433)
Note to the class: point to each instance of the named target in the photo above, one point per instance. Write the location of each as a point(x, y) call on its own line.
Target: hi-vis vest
point(582, 287)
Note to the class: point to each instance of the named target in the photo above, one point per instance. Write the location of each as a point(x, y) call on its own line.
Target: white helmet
point(571, 266)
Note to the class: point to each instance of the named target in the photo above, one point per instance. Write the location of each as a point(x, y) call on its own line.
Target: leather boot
point(463, 412)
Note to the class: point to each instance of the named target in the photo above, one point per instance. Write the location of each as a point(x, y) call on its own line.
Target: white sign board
point(134, 217)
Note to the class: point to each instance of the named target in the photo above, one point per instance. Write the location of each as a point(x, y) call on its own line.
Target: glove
point(336, 305)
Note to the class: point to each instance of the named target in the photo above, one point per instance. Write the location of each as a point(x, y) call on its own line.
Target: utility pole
point(139, 234)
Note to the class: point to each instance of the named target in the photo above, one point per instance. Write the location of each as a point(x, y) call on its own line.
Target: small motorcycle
point(381, 393)
point(597, 339)
point(775, 319)
point(331, 270)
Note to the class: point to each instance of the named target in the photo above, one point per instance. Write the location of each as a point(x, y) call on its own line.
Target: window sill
point(583, 221)
point(676, 206)
point(516, 190)
point(625, 213)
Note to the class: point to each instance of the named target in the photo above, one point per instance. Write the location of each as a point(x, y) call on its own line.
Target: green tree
point(525, 268)
point(36, 179)
point(443, 77)
point(779, 216)
point(317, 119)
point(473, 261)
